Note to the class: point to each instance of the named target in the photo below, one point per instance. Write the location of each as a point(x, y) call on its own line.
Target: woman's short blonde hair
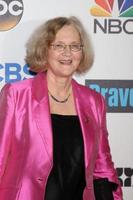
point(38, 44)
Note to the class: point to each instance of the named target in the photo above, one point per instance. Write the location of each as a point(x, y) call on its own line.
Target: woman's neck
point(59, 86)
point(60, 95)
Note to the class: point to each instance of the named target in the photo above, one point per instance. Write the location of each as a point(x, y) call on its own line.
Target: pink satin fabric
point(26, 139)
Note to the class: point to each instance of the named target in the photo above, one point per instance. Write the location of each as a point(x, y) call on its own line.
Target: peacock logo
point(105, 8)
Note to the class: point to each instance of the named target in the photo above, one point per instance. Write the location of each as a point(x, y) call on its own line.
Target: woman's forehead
point(68, 32)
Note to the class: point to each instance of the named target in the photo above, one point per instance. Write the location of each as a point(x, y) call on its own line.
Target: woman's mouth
point(66, 62)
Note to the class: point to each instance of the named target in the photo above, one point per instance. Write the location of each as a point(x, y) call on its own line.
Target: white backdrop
point(113, 61)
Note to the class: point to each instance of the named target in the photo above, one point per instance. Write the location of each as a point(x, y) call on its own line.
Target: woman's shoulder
point(87, 91)
point(18, 85)
point(33, 86)
point(91, 97)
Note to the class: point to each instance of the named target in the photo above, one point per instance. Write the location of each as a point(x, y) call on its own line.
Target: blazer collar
point(39, 87)
point(42, 113)
point(82, 100)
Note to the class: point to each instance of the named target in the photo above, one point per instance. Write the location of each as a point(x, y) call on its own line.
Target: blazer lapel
point(87, 122)
point(42, 112)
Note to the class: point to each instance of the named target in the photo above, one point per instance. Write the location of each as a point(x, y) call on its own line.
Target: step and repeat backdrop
point(110, 25)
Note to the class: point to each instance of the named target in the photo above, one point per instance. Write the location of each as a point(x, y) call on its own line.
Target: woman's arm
point(6, 126)
point(104, 167)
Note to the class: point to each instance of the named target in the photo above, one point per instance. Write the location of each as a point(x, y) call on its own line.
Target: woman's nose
point(67, 50)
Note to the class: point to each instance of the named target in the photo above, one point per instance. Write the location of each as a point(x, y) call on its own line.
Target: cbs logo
point(11, 12)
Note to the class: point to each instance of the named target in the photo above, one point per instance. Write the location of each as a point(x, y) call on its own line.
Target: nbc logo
point(104, 9)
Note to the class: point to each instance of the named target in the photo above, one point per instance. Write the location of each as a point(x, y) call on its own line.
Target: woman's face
point(63, 59)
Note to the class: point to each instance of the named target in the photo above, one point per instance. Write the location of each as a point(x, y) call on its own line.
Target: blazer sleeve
point(104, 166)
point(6, 126)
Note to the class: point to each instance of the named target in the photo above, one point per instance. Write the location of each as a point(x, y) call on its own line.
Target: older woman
point(53, 136)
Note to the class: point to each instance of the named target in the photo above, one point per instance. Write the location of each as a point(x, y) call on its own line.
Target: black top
point(67, 178)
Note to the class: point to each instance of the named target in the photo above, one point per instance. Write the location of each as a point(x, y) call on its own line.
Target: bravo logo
point(113, 16)
point(11, 12)
point(117, 93)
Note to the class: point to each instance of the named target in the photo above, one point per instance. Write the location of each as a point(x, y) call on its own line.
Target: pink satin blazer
point(26, 139)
